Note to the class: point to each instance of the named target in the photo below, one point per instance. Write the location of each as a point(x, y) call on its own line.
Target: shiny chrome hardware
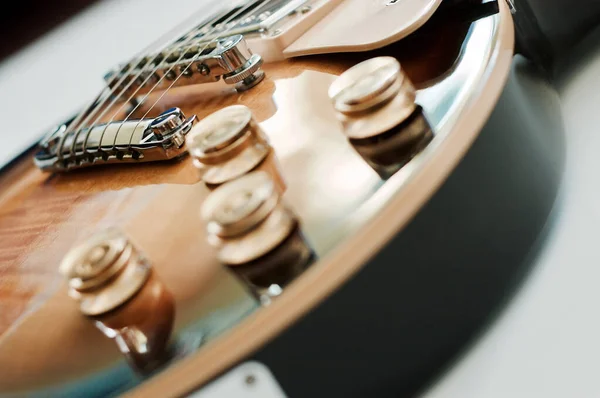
point(257, 236)
point(145, 140)
point(388, 152)
point(511, 6)
point(168, 122)
point(104, 272)
point(333, 206)
point(115, 287)
point(227, 144)
point(228, 58)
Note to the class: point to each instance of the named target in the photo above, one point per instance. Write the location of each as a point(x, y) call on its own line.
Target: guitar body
point(409, 267)
point(438, 283)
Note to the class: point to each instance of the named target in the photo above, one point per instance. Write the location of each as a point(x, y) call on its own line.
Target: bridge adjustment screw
point(246, 66)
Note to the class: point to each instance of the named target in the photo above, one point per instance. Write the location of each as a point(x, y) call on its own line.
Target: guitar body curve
point(420, 302)
point(470, 235)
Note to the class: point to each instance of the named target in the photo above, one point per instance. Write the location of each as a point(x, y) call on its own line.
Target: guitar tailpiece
point(131, 141)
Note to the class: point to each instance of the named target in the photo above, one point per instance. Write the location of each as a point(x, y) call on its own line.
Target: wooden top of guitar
point(347, 211)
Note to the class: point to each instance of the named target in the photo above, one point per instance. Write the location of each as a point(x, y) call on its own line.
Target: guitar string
point(175, 63)
point(191, 62)
point(143, 83)
point(109, 89)
point(135, 78)
point(144, 68)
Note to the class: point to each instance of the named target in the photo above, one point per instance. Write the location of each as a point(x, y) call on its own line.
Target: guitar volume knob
point(376, 104)
point(167, 122)
point(372, 97)
point(258, 237)
point(115, 287)
point(248, 74)
point(230, 143)
point(171, 126)
point(104, 272)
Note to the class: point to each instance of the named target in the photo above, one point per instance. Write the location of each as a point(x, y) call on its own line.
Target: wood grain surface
point(43, 215)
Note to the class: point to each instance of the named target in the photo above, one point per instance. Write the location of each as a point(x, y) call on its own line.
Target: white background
point(546, 343)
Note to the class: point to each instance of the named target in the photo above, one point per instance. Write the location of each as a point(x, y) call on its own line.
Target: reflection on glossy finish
point(389, 151)
point(334, 192)
point(258, 238)
point(375, 102)
point(272, 167)
point(142, 327)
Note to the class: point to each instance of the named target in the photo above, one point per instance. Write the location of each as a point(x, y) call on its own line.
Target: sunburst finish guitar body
point(343, 191)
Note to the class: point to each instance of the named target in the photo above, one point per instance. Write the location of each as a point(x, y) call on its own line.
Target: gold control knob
point(372, 97)
point(257, 236)
point(228, 144)
point(246, 72)
point(115, 286)
point(375, 101)
point(104, 272)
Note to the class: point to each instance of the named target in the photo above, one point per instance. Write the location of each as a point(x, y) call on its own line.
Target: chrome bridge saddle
point(150, 139)
point(142, 140)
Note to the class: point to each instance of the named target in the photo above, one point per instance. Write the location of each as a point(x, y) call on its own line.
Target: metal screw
point(250, 379)
point(250, 81)
point(305, 9)
point(170, 75)
point(203, 69)
point(187, 72)
point(276, 32)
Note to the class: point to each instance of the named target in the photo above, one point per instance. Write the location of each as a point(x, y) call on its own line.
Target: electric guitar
point(327, 197)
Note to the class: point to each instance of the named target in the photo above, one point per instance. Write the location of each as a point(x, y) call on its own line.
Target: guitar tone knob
point(372, 97)
point(104, 272)
point(228, 144)
point(236, 210)
point(115, 287)
point(257, 236)
point(375, 102)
